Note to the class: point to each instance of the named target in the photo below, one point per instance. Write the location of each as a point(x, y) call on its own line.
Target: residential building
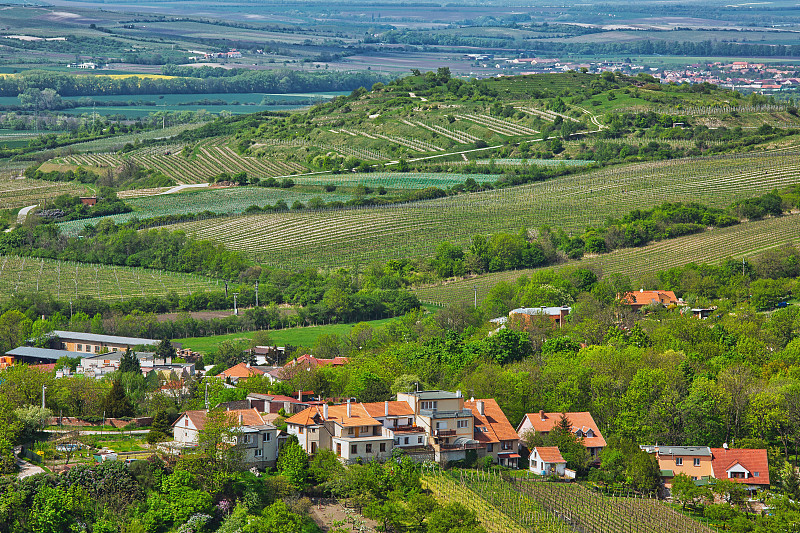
point(582, 425)
point(637, 300)
point(494, 431)
point(272, 403)
point(448, 424)
point(399, 423)
point(748, 467)
point(547, 461)
point(347, 429)
point(258, 439)
point(240, 371)
point(527, 315)
point(694, 461)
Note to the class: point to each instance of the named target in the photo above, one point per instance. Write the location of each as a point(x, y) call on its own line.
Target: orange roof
point(242, 370)
point(544, 422)
point(314, 415)
point(492, 425)
point(250, 417)
point(376, 409)
point(549, 454)
point(648, 297)
point(311, 361)
point(753, 460)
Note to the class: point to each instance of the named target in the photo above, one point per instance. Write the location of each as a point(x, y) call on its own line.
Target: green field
point(66, 280)
point(713, 246)
point(20, 192)
point(346, 237)
point(294, 336)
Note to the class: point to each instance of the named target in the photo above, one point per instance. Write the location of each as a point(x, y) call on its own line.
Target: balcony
point(407, 429)
point(457, 447)
point(445, 432)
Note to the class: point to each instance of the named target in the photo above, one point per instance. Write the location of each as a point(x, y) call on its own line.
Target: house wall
point(669, 462)
point(344, 448)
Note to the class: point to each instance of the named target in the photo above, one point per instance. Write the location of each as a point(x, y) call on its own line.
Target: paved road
point(179, 188)
point(25, 468)
point(24, 213)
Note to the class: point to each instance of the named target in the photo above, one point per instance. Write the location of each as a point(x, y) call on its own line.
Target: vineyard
point(342, 237)
point(211, 158)
point(393, 180)
point(518, 504)
point(744, 240)
point(21, 192)
point(228, 200)
point(67, 280)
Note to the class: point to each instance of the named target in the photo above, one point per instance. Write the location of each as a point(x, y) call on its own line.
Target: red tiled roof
point(550, 454)
point(648, 297)
point(753, 460)
point(241, 370)
point(47, 367)
point(250, 417)
point(311, 361)
point(579, 420)
point(493, 419)
point(336, 413)
point(395, 409)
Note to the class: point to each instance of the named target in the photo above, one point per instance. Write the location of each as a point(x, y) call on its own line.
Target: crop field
point(393, 180)
point(337, 238)
point(65, 280)
point(516, 504)
point(210, 159)
point(20, 192)
point(227, 200)
point(744, 240)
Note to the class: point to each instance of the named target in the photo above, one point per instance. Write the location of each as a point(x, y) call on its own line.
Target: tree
point(33, 419)
point(277, 518)
point(643, 472)
point(165, 350)
point(293, 463)
point(218, 441)
point(454, 518)
point(129, 362)
point(161, 429)
point(686, 491)
point(116, 403)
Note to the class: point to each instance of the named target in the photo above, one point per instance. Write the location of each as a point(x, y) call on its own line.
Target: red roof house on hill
point(637, 300)
point(745, 466)
point(493, 430)
point(313, 362)
point(583, 425)
point(240, 371)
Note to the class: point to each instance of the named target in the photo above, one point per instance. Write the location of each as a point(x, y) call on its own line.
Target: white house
point(547, 460)
point(258, 439)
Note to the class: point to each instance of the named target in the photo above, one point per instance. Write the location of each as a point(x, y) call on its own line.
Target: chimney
point(300, 396)
point(641, 290)
point(386, 408)
point(458, 393)
point(248, 365)
point(541, 414)
point(325, 411)
point(480, 407)
point(349, 409)
point(241, 419)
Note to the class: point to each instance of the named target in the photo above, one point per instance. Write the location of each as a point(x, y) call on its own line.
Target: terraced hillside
point(346, 237)
point(210, 158)
point(20, 192)
point(66, 280)
point(714, 246)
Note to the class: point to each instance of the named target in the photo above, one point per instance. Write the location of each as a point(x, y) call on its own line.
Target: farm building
point(526, 315)
point(75, 341)
point(33, 356)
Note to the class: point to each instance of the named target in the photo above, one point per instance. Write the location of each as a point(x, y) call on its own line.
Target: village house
point(748, 467)
point(582, 423)
point(526, 315)
point(637, 300)
point(547, 461)
point(258, 439)
point(494, 431)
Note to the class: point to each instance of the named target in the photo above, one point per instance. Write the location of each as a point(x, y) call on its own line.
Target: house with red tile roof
point(493, 430)
point(547, 461)
point(309, 361)
point(636, 300)
point(240, 371)
point(257, 438)
point(582, 423)
point(748, 467)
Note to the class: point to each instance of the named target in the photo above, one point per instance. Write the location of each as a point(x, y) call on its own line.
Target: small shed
point(547, 460)
point(89, 200)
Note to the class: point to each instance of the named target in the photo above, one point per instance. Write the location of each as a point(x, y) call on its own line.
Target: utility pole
point(43, 389)
point(256, 293)
point(476, 296)
point(206, 396)
point(235, 309)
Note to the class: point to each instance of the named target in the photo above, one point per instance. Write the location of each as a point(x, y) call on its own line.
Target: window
point(80, 348)
point(430, 405)
point(369, 448)
point(490, 448)
point(267, 437)
point(349, 431)
point(397, 441)
point(679, 461)
point(755, 474)
point(338, 449)
point(419, 440)
point(410, 421)
point(353, 449)
point(186, 422)
point(245, 438)
point(463, 423)
point(300, 430)
point(405, 440)
point(696, 461)
point(259, 453)
point(441, 425)
point(383, 447)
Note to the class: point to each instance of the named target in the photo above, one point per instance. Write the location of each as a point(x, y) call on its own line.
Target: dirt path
point(330, 514)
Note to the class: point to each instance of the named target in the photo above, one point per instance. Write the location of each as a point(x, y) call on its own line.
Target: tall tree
point(116, 403)
point(129, 362)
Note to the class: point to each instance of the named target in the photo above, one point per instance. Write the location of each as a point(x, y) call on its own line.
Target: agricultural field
point(744, 240)
point(230, 200)
point(210, 158)
point(393, 180)
point(18, 192)
point(344, 237)
point(66, 280)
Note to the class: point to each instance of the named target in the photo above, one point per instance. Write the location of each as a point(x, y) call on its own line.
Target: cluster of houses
point(739, 75)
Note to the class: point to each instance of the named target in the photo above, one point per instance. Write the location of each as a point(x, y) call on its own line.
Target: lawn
point(294, 336)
